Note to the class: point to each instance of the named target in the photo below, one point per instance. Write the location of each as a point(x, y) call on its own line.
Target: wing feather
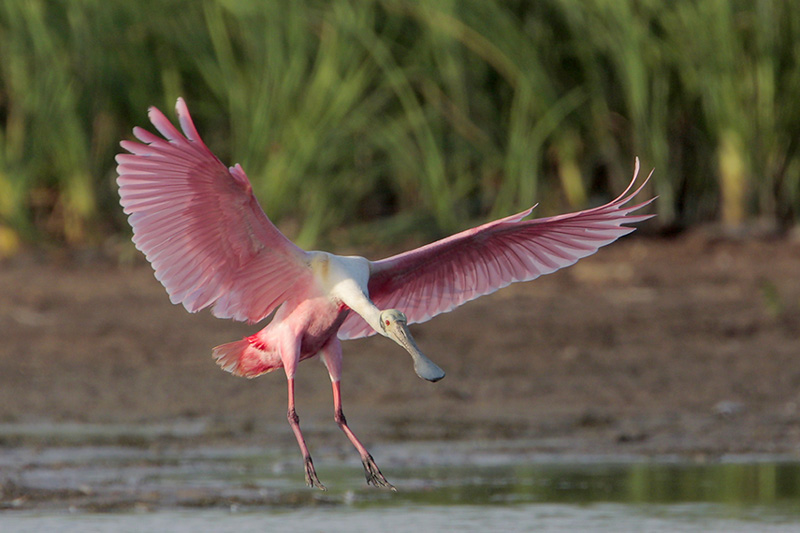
point(441, 276)
point(200, 226)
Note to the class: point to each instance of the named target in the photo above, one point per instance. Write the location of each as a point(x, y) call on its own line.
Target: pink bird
point(210, 244)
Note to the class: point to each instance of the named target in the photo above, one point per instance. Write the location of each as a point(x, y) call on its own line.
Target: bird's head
point(390, 318)
point(394, 326)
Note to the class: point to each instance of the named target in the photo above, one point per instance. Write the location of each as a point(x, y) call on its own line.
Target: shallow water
point(468, 486)
point(521, 518)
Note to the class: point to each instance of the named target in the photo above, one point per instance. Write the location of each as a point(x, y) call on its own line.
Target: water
point(523, 518)
point(441, 487)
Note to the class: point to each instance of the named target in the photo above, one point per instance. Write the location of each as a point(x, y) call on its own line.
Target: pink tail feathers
point(247, 358)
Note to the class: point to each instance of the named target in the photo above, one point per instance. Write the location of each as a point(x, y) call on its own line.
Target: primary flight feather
point(211, 245)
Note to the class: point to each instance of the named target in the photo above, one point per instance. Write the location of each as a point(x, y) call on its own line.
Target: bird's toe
point(311, 476)
point(374, 475)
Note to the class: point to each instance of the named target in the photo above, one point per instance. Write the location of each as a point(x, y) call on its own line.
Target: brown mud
point(688, 345)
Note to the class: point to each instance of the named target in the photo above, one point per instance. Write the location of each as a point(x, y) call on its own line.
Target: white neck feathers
point(346, 279)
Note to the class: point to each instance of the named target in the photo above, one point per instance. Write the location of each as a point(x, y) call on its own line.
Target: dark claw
point(373, 474)
point(311, 475)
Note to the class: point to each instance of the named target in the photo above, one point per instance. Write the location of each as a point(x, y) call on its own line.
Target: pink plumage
point(200, 226)
point(445, 274)
point(211, 245)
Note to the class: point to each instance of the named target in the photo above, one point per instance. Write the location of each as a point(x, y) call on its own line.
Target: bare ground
point(688, 345)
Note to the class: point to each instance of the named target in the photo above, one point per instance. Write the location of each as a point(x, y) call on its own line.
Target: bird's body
point(311, 319)
point(211, 245)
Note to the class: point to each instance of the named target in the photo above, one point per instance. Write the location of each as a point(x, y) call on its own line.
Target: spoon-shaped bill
point(424, 367)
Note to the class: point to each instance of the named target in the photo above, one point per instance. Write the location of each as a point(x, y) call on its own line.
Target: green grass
point(402, 117)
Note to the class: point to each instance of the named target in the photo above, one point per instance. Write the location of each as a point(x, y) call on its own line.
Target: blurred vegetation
point(362, 117)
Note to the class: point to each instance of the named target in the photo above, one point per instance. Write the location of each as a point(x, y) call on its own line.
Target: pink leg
point(311, 474)
point(290, 356)
point(332, 355)
point(373, 474)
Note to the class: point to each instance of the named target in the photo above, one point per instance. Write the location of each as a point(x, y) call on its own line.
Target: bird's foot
point(311, 475)
point(373, 474)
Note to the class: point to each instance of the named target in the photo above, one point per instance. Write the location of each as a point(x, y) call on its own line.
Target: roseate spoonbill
point(210, 244)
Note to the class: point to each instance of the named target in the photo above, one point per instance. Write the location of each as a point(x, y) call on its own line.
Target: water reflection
point(121, 480)
point(765, 483)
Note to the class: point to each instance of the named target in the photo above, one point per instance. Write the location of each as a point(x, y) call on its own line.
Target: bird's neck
point(358, 302)
point(346, 279)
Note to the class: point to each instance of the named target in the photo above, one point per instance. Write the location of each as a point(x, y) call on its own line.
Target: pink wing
point(439, 277)
point(200, 226)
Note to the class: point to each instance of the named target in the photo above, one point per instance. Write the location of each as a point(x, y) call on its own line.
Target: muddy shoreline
point(652, 346)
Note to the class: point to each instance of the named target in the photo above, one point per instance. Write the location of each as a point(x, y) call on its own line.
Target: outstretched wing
point(200, 226)
point(439, 277)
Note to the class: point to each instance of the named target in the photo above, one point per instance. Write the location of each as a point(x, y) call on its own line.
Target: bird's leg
point(311, 474)
point(290, 357)
point(332, 356)
point(371, 470)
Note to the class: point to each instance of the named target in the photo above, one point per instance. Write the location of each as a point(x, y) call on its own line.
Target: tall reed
point(403, 116)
